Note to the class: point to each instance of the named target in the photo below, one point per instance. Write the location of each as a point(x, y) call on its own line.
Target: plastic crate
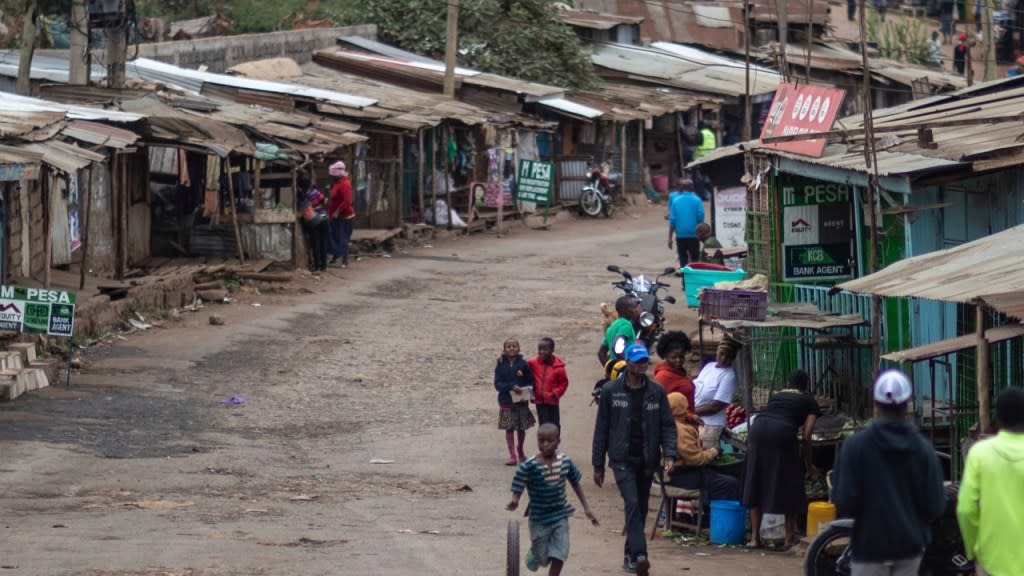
point(733, 304)
point(694, 279)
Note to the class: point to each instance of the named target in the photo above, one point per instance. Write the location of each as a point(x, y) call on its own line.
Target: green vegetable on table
point(723, 459)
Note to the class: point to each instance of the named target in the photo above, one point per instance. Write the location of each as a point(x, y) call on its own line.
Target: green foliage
point(524, 39)
point(901, 39)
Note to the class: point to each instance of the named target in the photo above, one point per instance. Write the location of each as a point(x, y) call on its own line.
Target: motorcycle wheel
point(590, 202)
point(827, 554)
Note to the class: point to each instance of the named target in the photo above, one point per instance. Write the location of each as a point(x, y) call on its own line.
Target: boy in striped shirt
point(544, 476)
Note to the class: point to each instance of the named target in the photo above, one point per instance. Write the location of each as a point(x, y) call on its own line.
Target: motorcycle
point(599, 194)
point(829, 552)
point(652, 307)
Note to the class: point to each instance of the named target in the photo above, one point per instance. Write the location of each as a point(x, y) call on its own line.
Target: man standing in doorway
point(888, 479)
point(685, 211)
point(636, 432)
point(990, 504)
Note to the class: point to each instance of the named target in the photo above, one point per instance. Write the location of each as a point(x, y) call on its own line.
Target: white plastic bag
point(773, 527)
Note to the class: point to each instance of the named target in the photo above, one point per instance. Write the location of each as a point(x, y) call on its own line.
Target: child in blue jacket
point(512, 375)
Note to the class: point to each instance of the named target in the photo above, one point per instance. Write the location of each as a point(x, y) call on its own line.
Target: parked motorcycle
point(652, 317)
point(652, 306)
point(829, 553)
point(598, 195)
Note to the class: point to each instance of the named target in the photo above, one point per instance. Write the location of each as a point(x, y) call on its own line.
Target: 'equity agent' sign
point(37, 310)
point(817, 230)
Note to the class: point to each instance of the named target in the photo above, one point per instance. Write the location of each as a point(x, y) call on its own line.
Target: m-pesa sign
point(801, 109)
point(37, 310)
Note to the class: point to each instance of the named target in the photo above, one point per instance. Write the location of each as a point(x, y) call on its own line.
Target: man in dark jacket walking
point(635, 430)
point(888, 479)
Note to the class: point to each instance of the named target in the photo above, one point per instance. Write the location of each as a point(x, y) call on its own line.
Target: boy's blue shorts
point(550, 541)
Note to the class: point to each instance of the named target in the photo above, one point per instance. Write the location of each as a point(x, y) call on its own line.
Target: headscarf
point(730, 345)
point(680, 408)
point(337, 169)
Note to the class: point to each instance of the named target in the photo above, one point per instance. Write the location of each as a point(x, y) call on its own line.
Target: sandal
point(511, 462)
point(753, 544)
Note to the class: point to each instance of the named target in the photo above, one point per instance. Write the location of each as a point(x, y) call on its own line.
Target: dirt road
point(140, 468)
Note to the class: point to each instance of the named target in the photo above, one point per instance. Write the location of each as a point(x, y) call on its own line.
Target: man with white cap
point(889, 480)
point(636, 431)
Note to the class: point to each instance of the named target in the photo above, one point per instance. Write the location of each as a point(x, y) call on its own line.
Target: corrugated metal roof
point(14, 102)
point(624, 102)
point(383, 49)
point(988, 269)
point(717, 25)
point(596, 20)
point(572, 108)
point(18, 155)
point(65, 157)
point(951, 345)
point(44, 67)
point(685, 67)
point(979, 128)
point(96, 133)
point(433, 70)
point(835, 56)
point(154, 71)
point(19, 123)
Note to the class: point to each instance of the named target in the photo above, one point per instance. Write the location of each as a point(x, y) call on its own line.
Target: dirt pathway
point(141, 469)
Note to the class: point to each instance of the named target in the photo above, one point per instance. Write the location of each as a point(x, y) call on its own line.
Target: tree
point(28, 45)
point(524, 39)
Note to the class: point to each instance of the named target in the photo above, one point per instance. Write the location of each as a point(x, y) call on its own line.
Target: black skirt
point(774, 474)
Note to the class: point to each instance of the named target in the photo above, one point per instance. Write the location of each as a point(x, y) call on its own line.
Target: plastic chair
point(671, 496)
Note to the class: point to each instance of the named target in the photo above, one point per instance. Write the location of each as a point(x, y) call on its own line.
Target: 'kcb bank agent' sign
point(817, 222)
point(37, 310)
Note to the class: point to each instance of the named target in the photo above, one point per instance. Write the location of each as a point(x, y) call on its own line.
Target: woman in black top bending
point(774, 476)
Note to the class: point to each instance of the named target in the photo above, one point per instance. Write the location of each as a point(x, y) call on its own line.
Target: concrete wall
point(222, 52)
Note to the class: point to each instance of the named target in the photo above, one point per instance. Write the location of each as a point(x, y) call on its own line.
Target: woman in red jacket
point(341, 213)
point(671, 372)
point(549, 381)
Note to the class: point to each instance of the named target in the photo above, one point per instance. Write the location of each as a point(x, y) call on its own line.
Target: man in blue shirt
point(685, 211)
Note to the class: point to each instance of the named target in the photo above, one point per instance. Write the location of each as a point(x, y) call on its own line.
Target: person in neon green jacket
point(990, 505)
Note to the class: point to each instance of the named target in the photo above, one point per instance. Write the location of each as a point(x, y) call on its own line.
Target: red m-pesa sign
point(801, 109)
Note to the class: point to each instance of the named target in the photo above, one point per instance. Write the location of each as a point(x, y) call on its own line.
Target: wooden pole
point(450, 48)
point(871, 162)
point(125, 208)
point(639, 156)
point(748, 376)
point(297, 246)
point(984, 371)
point(23, 85)
point(433, 173)
point(783, 14)
point(747, 111)
point(988, 40)
point(86, 218)
point(115, 54)
point(118, 205)
point(79, 71)
point(447, 169)
point(47, 192)
point(420, 180)
point(234, 210)
point(400, 187)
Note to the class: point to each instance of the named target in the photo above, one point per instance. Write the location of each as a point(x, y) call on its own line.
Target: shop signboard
point(535, 181)
point(801, 109)
point(817, 222)
point(731, 216)
point(37, 310)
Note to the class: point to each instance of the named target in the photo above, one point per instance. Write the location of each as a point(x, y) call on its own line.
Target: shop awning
point(958, 344)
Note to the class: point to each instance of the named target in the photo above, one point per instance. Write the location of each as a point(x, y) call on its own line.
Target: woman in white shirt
point(716, 385)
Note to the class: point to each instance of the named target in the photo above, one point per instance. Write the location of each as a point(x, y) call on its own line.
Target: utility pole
point(450, 48)
point(990, 48)
point(781, 9)
point(116, 52)
point(79, 72)
point(871, 162)
point(28, 45)
point(747, 128)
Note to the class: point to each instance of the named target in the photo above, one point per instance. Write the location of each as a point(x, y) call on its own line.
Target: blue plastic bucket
point(728, 522)
point(695, 279)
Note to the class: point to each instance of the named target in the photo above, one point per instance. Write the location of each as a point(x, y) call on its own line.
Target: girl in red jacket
point(549, 381)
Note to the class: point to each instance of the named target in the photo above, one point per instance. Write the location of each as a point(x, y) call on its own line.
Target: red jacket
point(674, 381)
point(549, 380)
point(340, 205)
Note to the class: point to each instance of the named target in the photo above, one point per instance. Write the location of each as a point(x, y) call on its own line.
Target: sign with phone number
point(37, 310)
